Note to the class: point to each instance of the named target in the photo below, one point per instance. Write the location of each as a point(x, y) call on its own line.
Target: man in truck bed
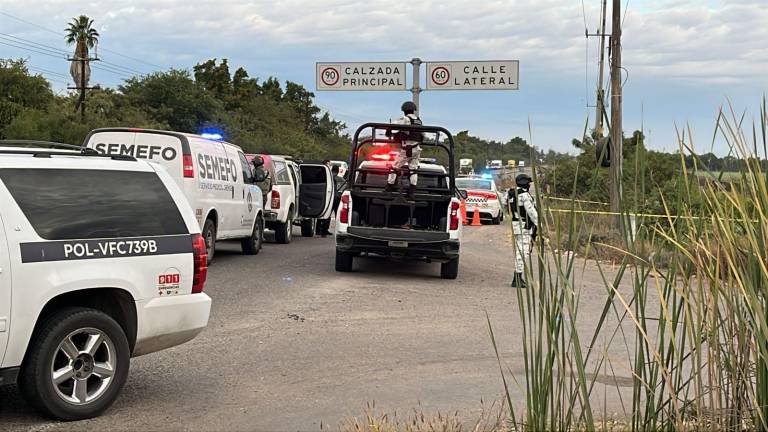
point(410, 150)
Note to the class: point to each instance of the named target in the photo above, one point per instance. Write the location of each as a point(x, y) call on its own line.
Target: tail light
point(491, 196)
point(275, 199)
point(189, 167)
point(199, 262)
point(485, 195)
point(455, 205)
point(344, 213)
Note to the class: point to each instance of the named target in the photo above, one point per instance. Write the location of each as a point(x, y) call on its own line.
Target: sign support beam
point(416, 90)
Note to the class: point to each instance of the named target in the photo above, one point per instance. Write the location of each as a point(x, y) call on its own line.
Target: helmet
point(523, 180)
point(408, 107)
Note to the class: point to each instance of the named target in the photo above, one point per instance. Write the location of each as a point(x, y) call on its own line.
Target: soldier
point(411, 149)
point(525, 220)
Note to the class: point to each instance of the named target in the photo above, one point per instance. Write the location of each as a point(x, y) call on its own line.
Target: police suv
point(215, 176)
point(101, 259)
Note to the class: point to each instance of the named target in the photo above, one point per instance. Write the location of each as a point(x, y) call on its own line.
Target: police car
point(482, 195)
point(101, 259)
point(215, 176)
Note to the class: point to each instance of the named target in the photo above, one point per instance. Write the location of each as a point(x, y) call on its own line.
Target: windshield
point(474, 184)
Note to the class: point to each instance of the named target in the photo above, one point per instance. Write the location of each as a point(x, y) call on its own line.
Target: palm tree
point(81, 34)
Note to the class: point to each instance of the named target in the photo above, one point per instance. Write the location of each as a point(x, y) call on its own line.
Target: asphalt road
point(292, 344)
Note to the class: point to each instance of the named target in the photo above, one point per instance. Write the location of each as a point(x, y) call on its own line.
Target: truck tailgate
point(395, 234)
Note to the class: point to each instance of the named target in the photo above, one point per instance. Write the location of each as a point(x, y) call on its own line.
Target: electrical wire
point(103, 49)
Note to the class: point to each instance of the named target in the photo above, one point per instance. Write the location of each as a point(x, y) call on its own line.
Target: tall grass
point(689, 336)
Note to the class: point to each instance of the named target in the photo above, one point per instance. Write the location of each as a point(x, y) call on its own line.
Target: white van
point(215, 176)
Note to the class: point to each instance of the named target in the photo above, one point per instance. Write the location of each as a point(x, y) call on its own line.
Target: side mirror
point(462, 193)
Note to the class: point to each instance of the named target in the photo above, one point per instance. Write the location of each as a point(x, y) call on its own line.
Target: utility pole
point(616, 131)
point(81, 86)
point(416, 90)
point(600, 106)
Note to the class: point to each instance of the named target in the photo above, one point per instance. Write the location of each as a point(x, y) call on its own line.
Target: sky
point(682, 59)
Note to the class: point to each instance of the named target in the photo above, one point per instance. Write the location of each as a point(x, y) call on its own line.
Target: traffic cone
point(463, 208)
point(476, 218)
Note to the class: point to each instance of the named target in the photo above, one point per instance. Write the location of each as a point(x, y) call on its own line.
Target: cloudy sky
point(683, 58)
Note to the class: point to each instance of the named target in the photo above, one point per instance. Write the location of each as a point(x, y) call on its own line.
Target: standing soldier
point(525, 220)
point(410, 151)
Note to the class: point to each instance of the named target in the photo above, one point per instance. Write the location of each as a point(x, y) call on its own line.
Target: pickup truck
point(373, 221)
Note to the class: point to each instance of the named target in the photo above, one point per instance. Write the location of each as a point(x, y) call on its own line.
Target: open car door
point(316, 191)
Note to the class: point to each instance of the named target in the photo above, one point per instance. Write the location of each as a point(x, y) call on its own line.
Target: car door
point(5, 292)
point(316, 191)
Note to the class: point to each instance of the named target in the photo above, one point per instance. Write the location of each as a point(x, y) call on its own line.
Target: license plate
point(398, 244)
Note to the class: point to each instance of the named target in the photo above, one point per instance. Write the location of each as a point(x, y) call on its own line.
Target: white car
point(215, 176)
point(482, 195)
point(301, 194)
point(101, 259)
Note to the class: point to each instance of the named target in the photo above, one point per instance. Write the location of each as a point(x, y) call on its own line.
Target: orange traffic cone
point(476, 218)
point(463, 208)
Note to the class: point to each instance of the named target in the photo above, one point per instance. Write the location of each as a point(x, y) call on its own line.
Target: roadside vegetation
point(678, 346)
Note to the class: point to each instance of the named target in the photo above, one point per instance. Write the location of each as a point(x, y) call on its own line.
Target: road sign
point(473, 75)
point(360, 76)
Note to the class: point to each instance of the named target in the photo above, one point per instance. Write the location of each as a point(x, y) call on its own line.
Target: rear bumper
point(270, 216)
point(165, 322)
point(444, 250)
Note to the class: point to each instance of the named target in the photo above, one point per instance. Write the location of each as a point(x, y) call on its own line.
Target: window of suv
point(85, 204)
point(281, 173)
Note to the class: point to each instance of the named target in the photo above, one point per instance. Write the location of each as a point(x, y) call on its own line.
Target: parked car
point(374, 221)
point(301, 194)
point(482, 195)
point(101, 260)
point(215, 176)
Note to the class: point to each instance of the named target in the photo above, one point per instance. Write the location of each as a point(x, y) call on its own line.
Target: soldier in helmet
point(410, 151)
point(525, 220)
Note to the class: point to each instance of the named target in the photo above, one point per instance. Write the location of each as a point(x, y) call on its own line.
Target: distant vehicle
point(373, 221)
point(511, 163)
point(215, 176)
point(301, 194)
point(466, 167)
point(494, 164)
point(343, 167)
point(482, 195)
point(521, 164)
point(102, 260)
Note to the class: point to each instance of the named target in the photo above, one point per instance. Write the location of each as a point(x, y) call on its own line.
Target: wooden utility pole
point(600, 106)
point(81, 86)
point(616, 132)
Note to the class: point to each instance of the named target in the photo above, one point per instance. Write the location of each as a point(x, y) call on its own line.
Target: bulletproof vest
point(518, 210)
point(414, 135)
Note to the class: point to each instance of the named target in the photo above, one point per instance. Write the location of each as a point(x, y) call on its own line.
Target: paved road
point(292, 344)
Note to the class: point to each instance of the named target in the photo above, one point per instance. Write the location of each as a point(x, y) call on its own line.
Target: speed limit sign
point(329, 75)
point(440, 75)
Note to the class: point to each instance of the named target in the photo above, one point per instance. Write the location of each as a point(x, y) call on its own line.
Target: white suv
point(101, 259)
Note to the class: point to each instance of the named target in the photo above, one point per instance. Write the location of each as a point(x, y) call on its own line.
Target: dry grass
point(491, 419)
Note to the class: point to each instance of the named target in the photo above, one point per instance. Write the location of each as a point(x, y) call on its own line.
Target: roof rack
point(36, 151)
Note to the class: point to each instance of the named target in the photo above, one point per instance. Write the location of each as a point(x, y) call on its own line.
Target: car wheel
point(496, 220)
point(77, 364)
point(284, 231)
point(252, 245)
point(308, 228)
point(344, 261)
point(209, 234)
point(450, 269)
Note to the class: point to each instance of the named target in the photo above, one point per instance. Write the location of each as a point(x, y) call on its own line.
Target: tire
point(344, 261)
point(496, 220)
point(47, 354)
point(284, 230)
point(501, 215)
point(450, 269)
point(209, 234)
point(308, 228)
point(252, 245)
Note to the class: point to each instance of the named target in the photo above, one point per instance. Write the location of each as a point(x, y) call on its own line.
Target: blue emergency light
point(212, 134)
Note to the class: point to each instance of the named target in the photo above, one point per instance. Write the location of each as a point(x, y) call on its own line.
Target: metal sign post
point(416, 90)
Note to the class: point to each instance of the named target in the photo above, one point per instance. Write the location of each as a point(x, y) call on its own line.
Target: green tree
point(19, 91)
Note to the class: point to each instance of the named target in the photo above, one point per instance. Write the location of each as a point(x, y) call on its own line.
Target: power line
point(46, 71)
point(59, 34)
point(27, 48)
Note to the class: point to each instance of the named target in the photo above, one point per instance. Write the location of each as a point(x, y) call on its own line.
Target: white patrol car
point(101, 259)
point(482, 195)
point(215, 176)
point(301, 194)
